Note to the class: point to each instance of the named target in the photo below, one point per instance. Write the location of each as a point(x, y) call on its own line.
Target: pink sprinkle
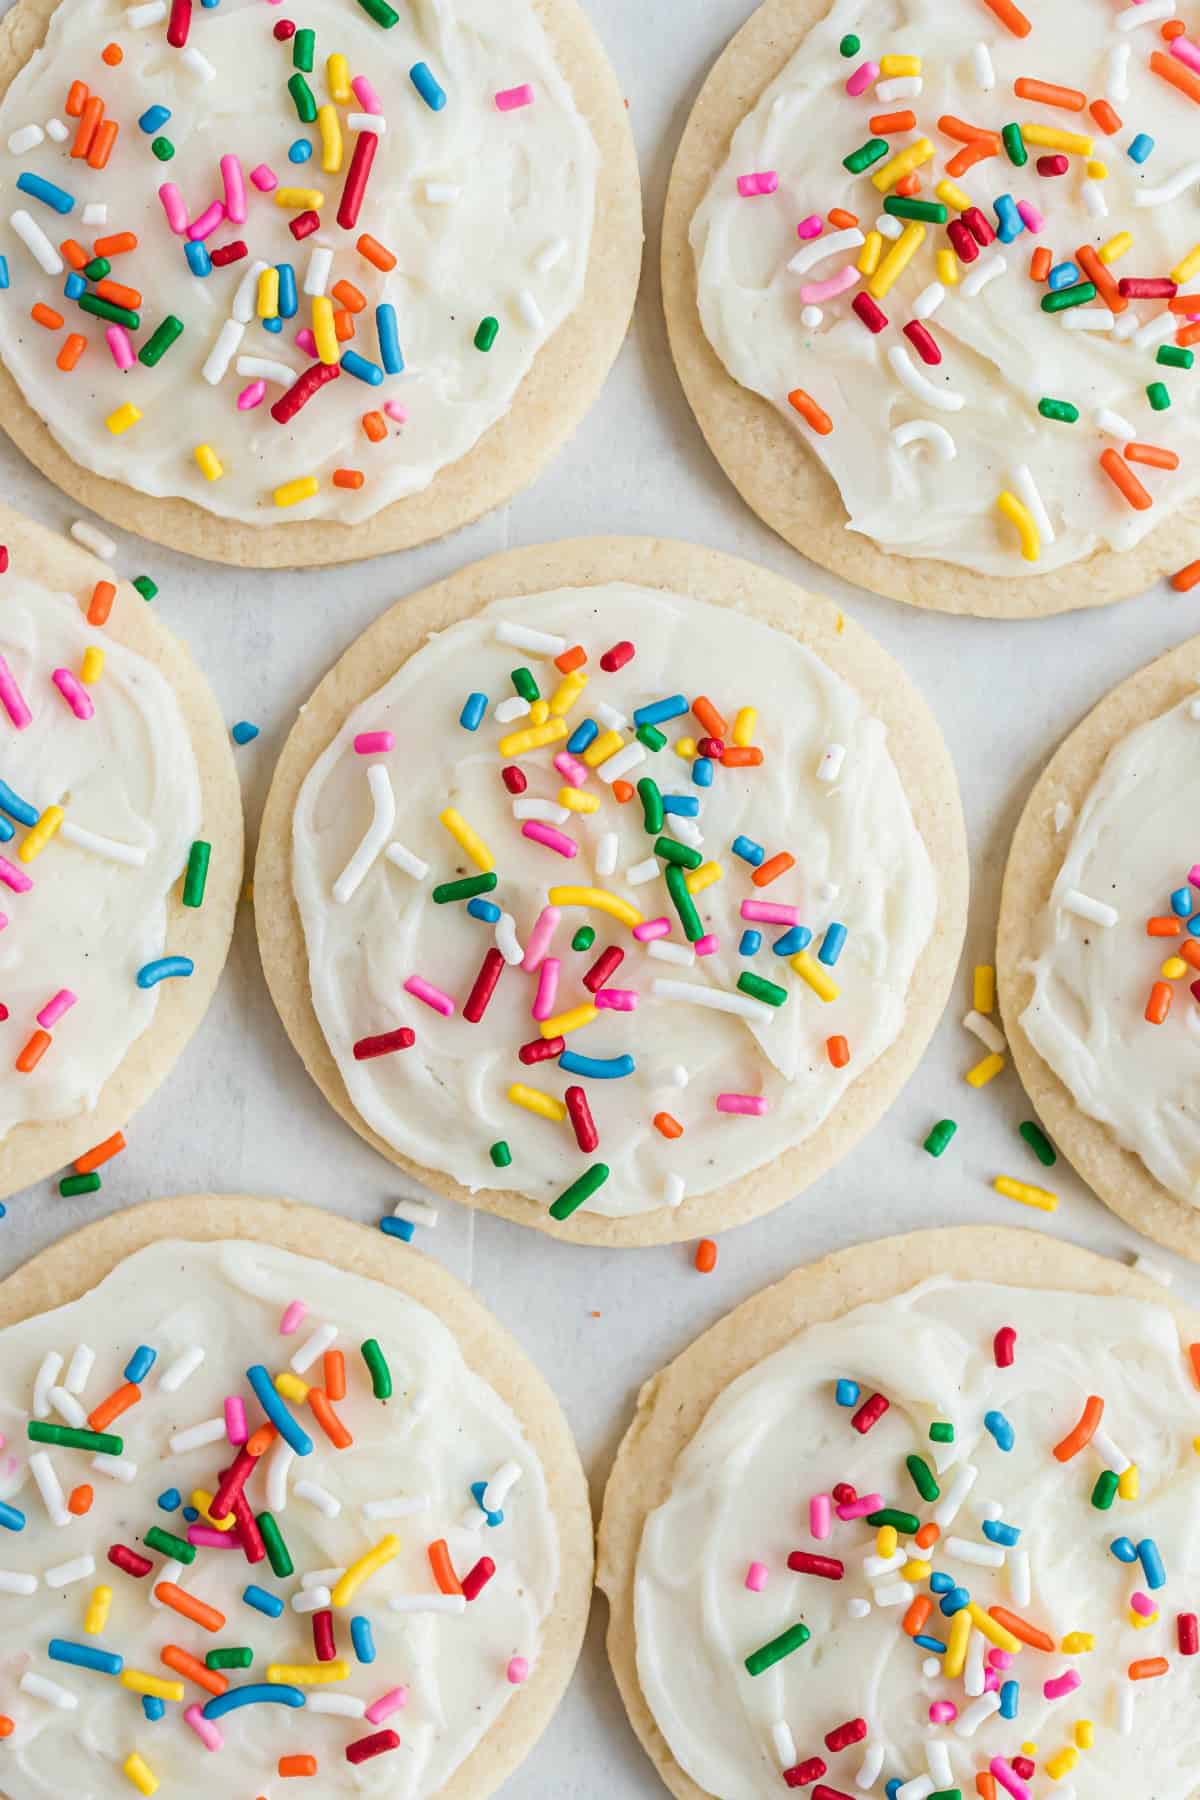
point(236, 1429)
point(991, 1681)
point(1141, 1603)
point(763, 181)
point(366, 96)
point(707, 945)
point(1194, 875)
point(1001, 1659)
point(204, 1728)
point(1008, 1778)
point(173, 206)
point(517, 1671)
point(547, 988)
point(293, 1317)
point(812, 227)
point(541, 937)
point(820, 1516)
point(13, 877)
point(264, 179)
point(859, 1508)
point(813, 292)
point(1034, 220)
point(756, 1577)
point(1060, 1685)
point(768, 914)
point(306, 341)
point(539, 833)
point(117, 339)
point(54, 1009)
point(371, 743)
point(615, 1000)
point(235, 190)
point(652, 928)
point(205, 1538)
point(751, 1106)
point(251, 396)
point(207, 223)
point(509, 99)
point(573, 771)
point(74, 693)
point(865, 76)
point(1187, 52)
point(386, 1705)
point(394, 410)
point(420, 989)
point(943, 1712)
point(13, 700)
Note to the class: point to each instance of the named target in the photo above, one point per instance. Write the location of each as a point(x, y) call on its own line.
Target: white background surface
point(238, 1112)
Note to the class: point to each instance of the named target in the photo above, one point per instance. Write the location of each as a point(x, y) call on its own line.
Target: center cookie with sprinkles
point(627, 902)
point(919, 1522)
point(932, 277)
point(291, 289)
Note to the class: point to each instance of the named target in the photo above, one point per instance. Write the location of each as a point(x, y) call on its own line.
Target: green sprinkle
point(681, 854)
point(947, 1794)
point(381, 1375)
point(574, 1196)
point(145, 587)
point(1105, 1490)
point(1157, 394)
point(104, 309)
point(303, 45)
point(759, 1661)
point(1173, 356)
point(278, 1554)
point(761, 989)
point(850, 45)
point(908, 1523)
point(1039, 1143)
point(681, 900)
point(487, 333)
point(67, 1437)
point(196, 878)
point(97, 269)
point(163, 148)
point(71, 1185)
point(865, 155)
point(652, 806)
point(1066, 298)
point(584, 938)
point(500, 1154)
point(1062, 410)
point(167, 1544)
point(526, 686)
point(302, 94)
point(239, 1656)
point(940, 1136)
point(381, 12)
point(899, 207)
point(157, 345)
point(941, 1433)
point(466, 889)
point(652, 737)
point(923, 1478)
point(1014, 144)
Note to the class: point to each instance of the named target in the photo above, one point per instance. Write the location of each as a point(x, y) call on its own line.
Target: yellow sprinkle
point(93, 665)
point(600, 899)
point(1078, 1643)
point(337, 79)
point(1026, 1193)
point(292, 492)
point(539, 712)
point(123, 418)
point(202, 1500)
point(902, 165)
point(268, 294)
point(601, 748)
point(96, 1616)
point(841, 618)
point(685, 747)
point(567, 692)
point(886, 1539)
point(1116, 247)
point(1188, 267)
point(984, 1071)
point(947, 268)
point(1062, 1763)
point(1196, 1445)
point(358, 1572)
point(1031, 538)
point(983, 988)
point(209, 462)
point(157, 1686)
point(869, 255)
point(1139, 1623)
point(1127, 1486)
point(467, 839)
point(1174, 968)
point(951, 195)
point(533, 737)
point(577, 800)
point(816, 974)
point(896, 260)
point(331, 139)
point(1049, 137)
point(544, 1105)
point(891, 66)
point(1097, 171)
point(312, 1674)
point(140, 1774)
point(39, 835)
point(573, 1020)
point(1085, 1733)
point(955, 1658)
point(1028, 1748)
point(696, 880)
point(916, 1571)
point(300, 199)
point(743, 726)
point(291, 1387)
point(992, 1631)
point(323, 330)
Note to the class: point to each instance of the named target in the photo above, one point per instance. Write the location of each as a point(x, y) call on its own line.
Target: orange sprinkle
point(885, 124)
point(1010, 16)
point(623, 792)
point(928, 1535)
point(102, 144)
point(76, 99)
point(1106, 116)
point(742, 756)
point(112, 1146)
point(1096, 271)
point(81, 1499)
point(6, 1726)
point(328, 1420)
point(41, 314)
point(1194, 1353)
point(343, 325)
point(1183, 581)
point(809, 411)
point(74, 253)
point(443, 1568)
point(966, 158)
point(374, 426)
point(1040, 263)
point(914, 1619)
point(73, 348)
point(668, 1125)
point(706, 1256)
point(964, 133)
point(89, 120)
point(113, 55)
point(260, 1441)
point(571, 659)
point(712, 721)
point(116, 245)
point(348, 478)
point(985, 1785)
point(118, 1402)
point(334, 1366)
point(1159, 1003)
point(838, 1051)
point(193, 1668)
point(1151, 455)
point(33, 1052)
point(119, 294)
point(375, 252)
point(1183, 303)
point(1190, 948)
point(1081, 1434)
point(351, 297)
point(908, 185)
point(1147, 1667)
point(297, 1765)
point(1020, 1628)
point(197, 1611)
point(845, 221)
point(1048, 93)
point(1188, 336)
point(1123, 477)
point(773, 868)
point(1166, 925)
point(1172, 29)
point(1177, 74)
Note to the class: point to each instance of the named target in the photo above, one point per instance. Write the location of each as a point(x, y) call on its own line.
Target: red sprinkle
point(476, 1579)
point(841, 1738)
point(1133, 287)
point(803, 1562)
point(606, 964)
point(122, 1557)
point(923, 342)
point(965, 247)
point(231, 1485)
point(365, 146)
point(804, 1772)
point(302, 226)
point(582, 1123)
point(542, 1049)
point(227, 253)
point(323, 1640)
point(179, 23)
point(403, 1038)
point(304, 387)
point(617, 657)
point(979, 227)
point(363, 1749)
point(1004, 1346)
point(1188, 1632)
point(490, 971)
point(1025, 1767)
point(869, 1413)
point(284, 29)
point(821, 1792)
point(1053, 165)
point(712, 746)
point(844, 1494)
point(872, 316)
point(514, 779)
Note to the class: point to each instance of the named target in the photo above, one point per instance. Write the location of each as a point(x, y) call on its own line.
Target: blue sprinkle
point(198, 259)
point(6, 831)
point(687, 806)
point(931, 1643)
point(893, 1787)
point(154, 118)
point(846, 1392)
point(3, 272)
point(388, 330)
point(479, 908)
point(11, 1517)
point(831, 944)
point(262, 1602)
point(584, 734)
point(170, 1499)
point(1063, 275)
point(751, 943)
point(1124, 1549)
point(659, 711)
point(362, 369)
point(1010, 1697)
point(1181, 903)
point(702, 772)
point(1001, 1430)
point(40, 189)
point(244, 732)
point(289, 303)
point(471, 716)
point(941, 1584)
point(1193, 925)
point(479, 1489)
point(428, 86)
point(599, 1068)
point(140, 1363)
point(74, 287)
point(1009, 223)
point(15, 807)
point(84, 1656)
point(798, 938)
point(276, 1409)
point(153, 1707)
point(1000, 1533)
point(3, 1212)
point(400, 1228)
point(1152, 1563)
point(361, 1638)
point(748, 850)
point(162, 969)
point(190, 1514)
point(274, 326)
point(954, 1601)
point(1142, 148)
point(300, 151)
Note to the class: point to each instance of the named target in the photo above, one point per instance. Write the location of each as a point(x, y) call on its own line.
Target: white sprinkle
point(537, 643)
point(953, 1496)
point(344, 1706)
point(552, 253)
point(261, 368)
point(685, 830)
point(42, 1689)
point(63, 1574)
point(68, 1408)
point(1097, 912)
point(419, 1212)
point(375, 123)
point(57, 132)
point(401, 1507)
point(442, 193)
point(986, 1032)
point(222, 353)
point(1145, 1265)
point(313, 1346)
point(315, 1578)
point(138, 17)
point(662, 950)
point(94, 540)
point(983, 68)
point(1093, 199)
point(383, 803)
point(937, 1752)
point(830, 765)
point(282, 1458)
point(811, 317)
point(13, 1582)
point(79, 1367)
point(926, 431)
point(171, 1572)
point(1154, 332)
point(784, 1743)
point(905, 370)
point(27, 138)
point(507, 942)
point(608, 715)
point(1063, 814)
point(36, 242)
point(1088, 318)
point(1123, 1693)
point(1117, 85)
point(981, 274)
point(715, 999)
point(919, 1788)
point(1019, 1577)
point(1178, 184)
point(50, 1488)
point(834, 243)
point(197, 63)
point(931, 1668)
point(1148, 13)
point(1029, 492)
point(48, 1373)
point(95, 212)
point(893, 1593)
point(972, 1717)
point(872, 1765)
point(903, 87)
point(606, 853)
point(888, 227)
point(318, 1496)
point(119, 1468)
point(928, 300)
point(675, 1189)
point(1126, 326)
point(974, 1673)
point(548, 810)
point(1113, 425)
point(133, 856)
point(320, 263)
point(642, 872)
point(428, 1603)
point(500, 1485)
point(858, 1608)
point(403, 859)
point(197, 1436)
point(314, 1599)
point(875, 1567)
point(986, 1556)
point(245, 298)
point(530, 311)
point(505, 711)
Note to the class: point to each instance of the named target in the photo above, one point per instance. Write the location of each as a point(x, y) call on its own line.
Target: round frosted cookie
point(383, 262)
point(116, 781)
point(875, 384)
point(1098, 957)
point(341, 1597)
point(556, 948)
point(765, 1639)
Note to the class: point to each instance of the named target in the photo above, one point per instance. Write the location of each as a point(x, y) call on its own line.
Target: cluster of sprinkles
point(321, 307)
point(1082, 287)
point(981, 1653)
point(1182, 921)
point(594, 763)
point(253, 1465)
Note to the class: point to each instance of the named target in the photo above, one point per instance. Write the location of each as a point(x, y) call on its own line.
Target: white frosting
point(1001, 353)
point(859, 861)
point(488, 212)
point(739, 1494)
point(444, 1429)
point(89, 923)
point(1091, 982)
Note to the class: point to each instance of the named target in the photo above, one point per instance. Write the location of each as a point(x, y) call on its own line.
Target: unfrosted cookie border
point(916, 747)
point(566, 377)
point(766, 458)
